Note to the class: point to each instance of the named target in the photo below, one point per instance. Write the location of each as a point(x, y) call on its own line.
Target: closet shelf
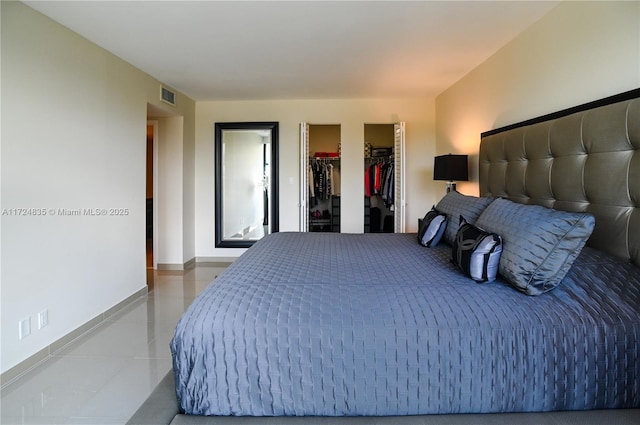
point(324, 158)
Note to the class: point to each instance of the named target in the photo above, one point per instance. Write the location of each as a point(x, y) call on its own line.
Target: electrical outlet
point(43, 318)
point(24, 328)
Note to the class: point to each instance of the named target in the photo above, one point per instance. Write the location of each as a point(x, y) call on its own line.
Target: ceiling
point(222, 50)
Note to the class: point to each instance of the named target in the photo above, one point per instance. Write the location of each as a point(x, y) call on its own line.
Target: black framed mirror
point(246, 182)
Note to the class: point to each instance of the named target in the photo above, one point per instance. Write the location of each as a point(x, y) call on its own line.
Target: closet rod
point(379, 158)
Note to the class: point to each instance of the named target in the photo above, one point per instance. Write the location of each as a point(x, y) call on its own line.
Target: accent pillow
point(454, 205)
point(431, 228)
point(476, 252)
point(540, 243)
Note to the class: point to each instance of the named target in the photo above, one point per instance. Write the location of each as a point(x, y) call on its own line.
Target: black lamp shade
point(451, 168)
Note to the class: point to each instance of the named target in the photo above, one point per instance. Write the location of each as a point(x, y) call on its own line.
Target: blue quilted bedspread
point(375, 324)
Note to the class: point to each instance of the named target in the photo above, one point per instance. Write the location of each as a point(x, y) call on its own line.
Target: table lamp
point(451, 168)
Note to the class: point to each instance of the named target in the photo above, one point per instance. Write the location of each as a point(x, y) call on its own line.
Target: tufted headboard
point(585, 158)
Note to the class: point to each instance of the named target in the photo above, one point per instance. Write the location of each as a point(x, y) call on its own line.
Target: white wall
point(73, 136)
point(418, 114)
point(578, 52)
point(170, 191)
point(187, 109)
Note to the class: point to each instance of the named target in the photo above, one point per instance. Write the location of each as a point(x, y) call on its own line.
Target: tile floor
point(105, 375)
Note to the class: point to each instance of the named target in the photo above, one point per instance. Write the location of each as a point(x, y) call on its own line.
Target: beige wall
point(418, 114)
point(187, 110)
point(73, 136)
point(169, 202)
point(579, 52)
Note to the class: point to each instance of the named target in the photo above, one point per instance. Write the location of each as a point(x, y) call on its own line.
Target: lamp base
point(451, 186)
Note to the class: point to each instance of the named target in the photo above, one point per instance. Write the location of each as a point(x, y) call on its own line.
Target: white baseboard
point(215, 260)
point(177, 267)
point(32, 361)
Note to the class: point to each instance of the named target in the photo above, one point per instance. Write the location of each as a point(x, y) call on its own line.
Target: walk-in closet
point(320, 159)
point(383, 178)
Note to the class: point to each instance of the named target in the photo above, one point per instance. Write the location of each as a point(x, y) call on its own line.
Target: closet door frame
point(304, 177)
point(399, 224)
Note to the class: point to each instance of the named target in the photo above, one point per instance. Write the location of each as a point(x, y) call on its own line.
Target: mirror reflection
point(246, 182)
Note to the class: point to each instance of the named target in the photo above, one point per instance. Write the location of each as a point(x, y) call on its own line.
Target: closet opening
point(380, 203)
point(321, 177)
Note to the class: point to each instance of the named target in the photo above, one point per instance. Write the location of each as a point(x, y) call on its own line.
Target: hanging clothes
point(389, 186)
point(330, 180)
point(379, 180)
point(384, 182)
point(312, 185)
point(373, 171)
point(321, 182)
point(367, 182)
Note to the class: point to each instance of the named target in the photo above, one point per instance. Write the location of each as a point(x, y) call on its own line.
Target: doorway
point(320, 177)
point(150, 209)
point(378, 174)
point(149, 197)
point(384, 201)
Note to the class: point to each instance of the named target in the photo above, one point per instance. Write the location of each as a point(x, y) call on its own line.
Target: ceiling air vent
point(167, 96)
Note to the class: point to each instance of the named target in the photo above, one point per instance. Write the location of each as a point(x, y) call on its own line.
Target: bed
point(314, 324)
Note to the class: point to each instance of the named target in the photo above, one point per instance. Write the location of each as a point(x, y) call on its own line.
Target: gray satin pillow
point(456, 204)
point(540, 244)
